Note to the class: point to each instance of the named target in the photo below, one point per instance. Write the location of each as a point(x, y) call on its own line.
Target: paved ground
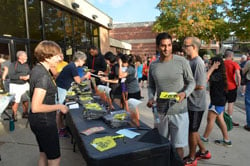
point(20, 148)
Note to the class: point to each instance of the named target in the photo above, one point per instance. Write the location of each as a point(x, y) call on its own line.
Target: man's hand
point(150, 103)
point(25, 78)
point(182, 96)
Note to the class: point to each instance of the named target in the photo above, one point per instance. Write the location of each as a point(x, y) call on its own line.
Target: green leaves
point(189, 18)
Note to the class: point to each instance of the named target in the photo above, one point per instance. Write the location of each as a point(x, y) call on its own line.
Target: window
point(54, 23)
point(12, 18)
point(35, 27)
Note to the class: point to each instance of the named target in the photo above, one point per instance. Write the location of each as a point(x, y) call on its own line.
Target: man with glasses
point(196, 101)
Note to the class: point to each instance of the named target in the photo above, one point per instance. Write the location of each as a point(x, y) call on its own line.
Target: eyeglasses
point(185, 46)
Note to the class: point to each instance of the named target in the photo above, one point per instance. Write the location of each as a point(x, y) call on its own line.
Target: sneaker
point(199, 155)
point(247, 128)
point(63, 133)
point(235, 124)
point(25, 115)
point(204, 139)
point(14, 117)
point(189, 162)
point(224, 143)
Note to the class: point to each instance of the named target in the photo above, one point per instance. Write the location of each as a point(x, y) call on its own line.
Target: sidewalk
point(20, 148)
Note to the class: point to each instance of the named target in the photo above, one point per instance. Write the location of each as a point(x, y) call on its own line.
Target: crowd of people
point(185, 73)
point(188, 75)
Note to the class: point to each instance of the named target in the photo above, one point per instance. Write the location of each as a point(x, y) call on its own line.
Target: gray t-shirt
point(197, 99)
point(172, 76)
point(131, 81)
point(4, 64)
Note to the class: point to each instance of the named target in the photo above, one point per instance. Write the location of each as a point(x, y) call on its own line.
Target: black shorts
point(231, 95)
point(136, 95)
point(45, 130)
point(195, 118)
point(144, 78)
point(139, 80)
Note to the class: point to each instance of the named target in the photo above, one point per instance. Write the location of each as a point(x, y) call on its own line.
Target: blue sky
point(127, 11)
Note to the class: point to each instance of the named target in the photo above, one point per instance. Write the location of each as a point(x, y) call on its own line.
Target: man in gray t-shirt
point(196, 101)
point(171, 73)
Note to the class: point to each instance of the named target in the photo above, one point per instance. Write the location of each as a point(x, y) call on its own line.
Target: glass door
point(9, 47)
point(5, 49)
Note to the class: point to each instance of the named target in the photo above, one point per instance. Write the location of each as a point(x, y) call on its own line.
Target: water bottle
point(156, 116)
point(12, 125)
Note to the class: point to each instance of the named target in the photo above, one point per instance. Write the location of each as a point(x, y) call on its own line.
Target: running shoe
point(189, 162)
point(25, 115)
point(14, 117)
point(247, 128)
point(199, 155)
point(63, 133)
point(204, 139)
point(235, 124)
point(223, 142)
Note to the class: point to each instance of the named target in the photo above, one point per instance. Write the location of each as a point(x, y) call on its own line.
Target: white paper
point(128, 133)
point(74, 106)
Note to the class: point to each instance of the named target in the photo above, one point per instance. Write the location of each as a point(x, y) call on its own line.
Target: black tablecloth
point(133, 152)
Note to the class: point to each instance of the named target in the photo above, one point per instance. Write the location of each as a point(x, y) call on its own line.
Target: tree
point(240, 19)
point(190, 18)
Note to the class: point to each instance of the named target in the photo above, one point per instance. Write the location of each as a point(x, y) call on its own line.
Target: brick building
point(138, 34)
point(142, 39)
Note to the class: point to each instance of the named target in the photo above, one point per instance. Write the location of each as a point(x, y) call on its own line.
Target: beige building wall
point(104, 40)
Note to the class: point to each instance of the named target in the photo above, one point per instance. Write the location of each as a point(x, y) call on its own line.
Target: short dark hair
point(110, 56)
point(92, 47)
point(162, 36)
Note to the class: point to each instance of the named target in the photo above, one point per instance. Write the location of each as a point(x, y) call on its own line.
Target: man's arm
point(151, 87)
point(246, 67)
point(238, 77)
point(189, 80)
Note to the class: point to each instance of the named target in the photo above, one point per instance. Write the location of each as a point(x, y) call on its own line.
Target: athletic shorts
point(195, 118)
point(124, 87)
point(217, 109)
point(175, 128)
point(231, 95)
point(139, 80)
point(18, 90)
point(136, 95)
point(144, 78)
point(43, 125)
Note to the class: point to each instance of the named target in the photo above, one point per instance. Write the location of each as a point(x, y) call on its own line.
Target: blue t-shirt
point(139, 71)
point(66, 77)
point(80, 71)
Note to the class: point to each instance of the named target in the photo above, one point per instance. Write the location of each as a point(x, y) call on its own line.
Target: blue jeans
point(247, 103)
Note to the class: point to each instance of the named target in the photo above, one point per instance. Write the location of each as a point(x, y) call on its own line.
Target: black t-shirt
point(217, 89)
point(114, 74)
point(41, 78)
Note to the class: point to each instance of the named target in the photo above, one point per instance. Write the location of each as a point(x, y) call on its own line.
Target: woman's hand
point(63, 108)
point(216, 65)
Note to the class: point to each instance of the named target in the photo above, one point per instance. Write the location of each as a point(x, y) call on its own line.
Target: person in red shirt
point(232, 70)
